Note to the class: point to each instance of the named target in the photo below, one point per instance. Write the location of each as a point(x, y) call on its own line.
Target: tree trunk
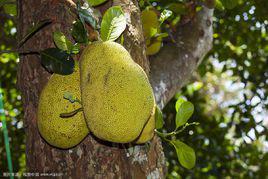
point(90, 159)
point(169, 71)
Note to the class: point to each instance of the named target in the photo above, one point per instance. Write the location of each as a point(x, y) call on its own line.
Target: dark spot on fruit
point(88, 77)
point(106, 76)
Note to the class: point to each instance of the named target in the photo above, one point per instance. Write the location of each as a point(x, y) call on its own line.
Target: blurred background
point(229, 91)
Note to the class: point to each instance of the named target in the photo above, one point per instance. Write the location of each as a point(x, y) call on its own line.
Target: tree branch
point(174, 64)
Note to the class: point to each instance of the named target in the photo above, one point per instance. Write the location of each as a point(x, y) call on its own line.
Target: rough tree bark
point(91, 158)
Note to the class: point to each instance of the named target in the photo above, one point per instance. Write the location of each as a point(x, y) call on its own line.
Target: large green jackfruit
point(61, 132)
point(116, 94)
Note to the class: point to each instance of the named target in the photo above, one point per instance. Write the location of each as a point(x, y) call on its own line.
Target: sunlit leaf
point(62, 42)
point(178, 103)
point(185, 111)
point(185, 154)
point(69, 96)
point(113, 24)
point(159, 122)
point(165, 15)
point(218, 5)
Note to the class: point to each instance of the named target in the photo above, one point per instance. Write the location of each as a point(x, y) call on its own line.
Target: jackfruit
point(116, 96)
point(151, 28)
point(148, 130)
point(150, 23)
point(154, 47)
point(57, 131)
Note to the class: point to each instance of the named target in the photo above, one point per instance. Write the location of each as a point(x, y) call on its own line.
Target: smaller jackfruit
point(154, 47)
point(150, 23)
point(151, 28)
point(57, 131)
point(148, 130)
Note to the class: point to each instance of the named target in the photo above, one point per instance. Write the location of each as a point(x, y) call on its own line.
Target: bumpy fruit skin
point(148, 130)
point(57, 131)
point(116, 94)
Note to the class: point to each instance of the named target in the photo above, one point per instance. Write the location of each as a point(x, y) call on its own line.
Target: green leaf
point(79, 32)
point(185, 154)
point(62, 42)
point(229, 4)
point(57, 61)
point(159, 122)
point(185, 111)
point(96, 2)
point(69, 96)
point(36, 27)
point(218, 5)
point(89, 14)
point(178, 103)
point(165, 15)
point(113, 24)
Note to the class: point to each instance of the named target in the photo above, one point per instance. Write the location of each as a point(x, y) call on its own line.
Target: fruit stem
point(70, 114)
point(175, 132)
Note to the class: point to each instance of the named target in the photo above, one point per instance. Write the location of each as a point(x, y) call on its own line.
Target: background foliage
point(229, 92)
point(12, 98)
